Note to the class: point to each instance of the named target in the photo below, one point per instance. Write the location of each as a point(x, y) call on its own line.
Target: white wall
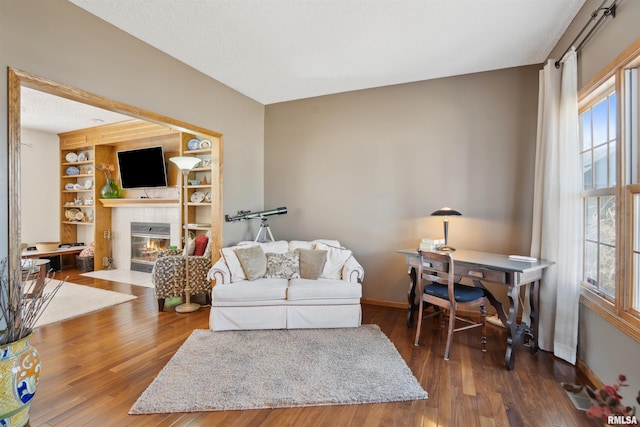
point(40, 176)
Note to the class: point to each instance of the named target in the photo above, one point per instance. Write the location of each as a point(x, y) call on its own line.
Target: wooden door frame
point(18, 78)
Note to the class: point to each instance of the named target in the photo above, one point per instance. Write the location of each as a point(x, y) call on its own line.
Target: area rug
point(74, 300)
point(233, 370)
point(123, 276)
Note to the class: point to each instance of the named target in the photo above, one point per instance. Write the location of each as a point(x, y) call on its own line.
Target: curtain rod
point(608, 11)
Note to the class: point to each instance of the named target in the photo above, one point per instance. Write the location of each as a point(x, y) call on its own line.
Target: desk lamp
point(446, 213)
point(185, 164)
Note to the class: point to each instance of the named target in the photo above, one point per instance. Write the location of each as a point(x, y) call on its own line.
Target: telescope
point(242, 215)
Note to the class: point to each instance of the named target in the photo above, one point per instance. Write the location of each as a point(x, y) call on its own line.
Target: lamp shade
point(185, 163)
point(445, 212)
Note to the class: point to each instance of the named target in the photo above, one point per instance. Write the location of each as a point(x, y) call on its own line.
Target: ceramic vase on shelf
point(19, 374)
point(109, 190)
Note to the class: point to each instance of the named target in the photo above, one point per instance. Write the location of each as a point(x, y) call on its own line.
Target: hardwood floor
point(94, 367)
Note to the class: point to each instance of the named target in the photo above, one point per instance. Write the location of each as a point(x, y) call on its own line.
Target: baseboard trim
point(405, 306)
point(587, 373)
point(385, 303)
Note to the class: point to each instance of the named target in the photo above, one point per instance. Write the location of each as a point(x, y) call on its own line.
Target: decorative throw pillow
point(311, 262)
point(253, 261)
point(207, 250)
point(189, 247)
point(336, 258)
point(88, 251)
point(283, 266)
point(233, 263)
point(200, 244)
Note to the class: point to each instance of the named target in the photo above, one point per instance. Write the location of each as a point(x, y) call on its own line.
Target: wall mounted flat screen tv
point(142, 168)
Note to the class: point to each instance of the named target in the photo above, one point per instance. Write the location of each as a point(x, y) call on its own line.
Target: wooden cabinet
point(86, 215)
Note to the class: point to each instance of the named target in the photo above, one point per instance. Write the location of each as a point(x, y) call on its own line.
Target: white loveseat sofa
point(316, 284)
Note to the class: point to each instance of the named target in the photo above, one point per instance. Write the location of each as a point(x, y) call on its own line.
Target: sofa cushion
point(255, 290)
point(336, 257)
point(334, 243)
point(278, 247)
point(298, 244)
point(311, 262)
point(307, 289)
point(285, 266)
point(253, 261)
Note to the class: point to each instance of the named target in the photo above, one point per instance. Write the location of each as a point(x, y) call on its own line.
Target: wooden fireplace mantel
point(122, 203)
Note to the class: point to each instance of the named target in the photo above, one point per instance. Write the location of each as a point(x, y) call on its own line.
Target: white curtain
point(557, 212)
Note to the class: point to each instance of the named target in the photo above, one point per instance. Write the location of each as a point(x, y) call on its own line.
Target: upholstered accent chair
point(438, 288)
point(168, 275)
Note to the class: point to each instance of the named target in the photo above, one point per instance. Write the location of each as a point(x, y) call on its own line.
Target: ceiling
point(282, 50)
point(52, 114)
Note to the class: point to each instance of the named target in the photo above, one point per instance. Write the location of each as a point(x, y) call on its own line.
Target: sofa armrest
point(352, 271)
point(220, 272)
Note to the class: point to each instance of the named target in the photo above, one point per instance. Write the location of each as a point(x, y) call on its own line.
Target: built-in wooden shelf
point(125, 203)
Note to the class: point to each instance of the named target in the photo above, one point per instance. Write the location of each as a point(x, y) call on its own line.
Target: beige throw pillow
point(233, 263)
point(253, 261)
point(311, 262)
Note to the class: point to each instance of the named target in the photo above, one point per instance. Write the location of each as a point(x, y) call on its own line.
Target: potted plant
point(608, 407)
point(22, 301)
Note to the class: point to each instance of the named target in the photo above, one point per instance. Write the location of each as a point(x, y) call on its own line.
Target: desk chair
point(436, 281)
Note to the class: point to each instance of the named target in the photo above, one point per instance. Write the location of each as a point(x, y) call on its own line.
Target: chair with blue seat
point(436, 281)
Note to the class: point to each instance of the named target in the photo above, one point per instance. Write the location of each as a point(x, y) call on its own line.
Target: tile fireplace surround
point(121, 219)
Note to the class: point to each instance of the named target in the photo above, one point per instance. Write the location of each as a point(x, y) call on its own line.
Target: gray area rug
point(233, 370)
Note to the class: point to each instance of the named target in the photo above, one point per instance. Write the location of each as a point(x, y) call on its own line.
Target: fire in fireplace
point(147, 239)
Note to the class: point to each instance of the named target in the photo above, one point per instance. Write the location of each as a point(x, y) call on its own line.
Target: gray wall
point(61, 42)
point(368, 167)
point(607, 351)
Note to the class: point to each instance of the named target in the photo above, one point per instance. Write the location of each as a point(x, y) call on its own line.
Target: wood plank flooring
point(94, 367)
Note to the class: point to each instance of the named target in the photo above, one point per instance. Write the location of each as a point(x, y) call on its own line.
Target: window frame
point(600, 94)
point(618, 311)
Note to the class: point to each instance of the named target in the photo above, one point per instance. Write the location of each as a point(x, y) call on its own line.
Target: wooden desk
point(55, 252)
point(494, 268)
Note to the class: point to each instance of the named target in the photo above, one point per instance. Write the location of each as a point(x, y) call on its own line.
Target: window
point(598, 140)
point(609, 117)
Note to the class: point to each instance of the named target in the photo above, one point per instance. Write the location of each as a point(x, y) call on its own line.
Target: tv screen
point(142, 168)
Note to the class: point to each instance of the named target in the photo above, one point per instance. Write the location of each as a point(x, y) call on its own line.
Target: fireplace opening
point(147, 239)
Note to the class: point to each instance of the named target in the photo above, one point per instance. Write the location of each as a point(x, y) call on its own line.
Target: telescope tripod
point(264, 230)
